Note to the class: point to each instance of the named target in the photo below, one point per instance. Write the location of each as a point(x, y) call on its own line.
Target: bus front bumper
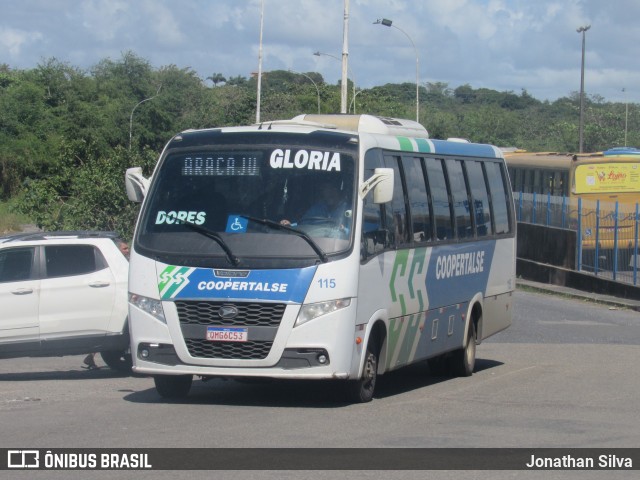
point(295, 363)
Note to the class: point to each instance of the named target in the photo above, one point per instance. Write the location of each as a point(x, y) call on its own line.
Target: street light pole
point(388, 23)
point(314, 84)
point(626, 114)
point(134, 109)
point(353, 100)
point(344, 82)
point(582, 30)
point(259, 87)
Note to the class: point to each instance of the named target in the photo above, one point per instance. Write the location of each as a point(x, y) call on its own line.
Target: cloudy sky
point(505, 45)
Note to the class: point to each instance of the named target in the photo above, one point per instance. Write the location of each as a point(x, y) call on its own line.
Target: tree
point(129, 76)
point(237, 81)
point(27, 130)
point(217, 78)
point(465, 94)
point(234, 105)
point(64, 132)
point(83, 191)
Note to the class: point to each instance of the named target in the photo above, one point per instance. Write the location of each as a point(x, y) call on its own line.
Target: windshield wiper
point(279, 226)
point(218, 239)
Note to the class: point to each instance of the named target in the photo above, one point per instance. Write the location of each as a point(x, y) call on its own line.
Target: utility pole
point(260, 63)
point(345, 59)
point(581, 143)
point(626, 115)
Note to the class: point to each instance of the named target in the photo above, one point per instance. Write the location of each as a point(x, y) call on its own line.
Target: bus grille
point(249, 314)
point(228, 350)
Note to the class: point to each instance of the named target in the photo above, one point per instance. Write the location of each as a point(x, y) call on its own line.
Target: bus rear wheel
point(173, 386)
point(361, 390)
point(463, 361)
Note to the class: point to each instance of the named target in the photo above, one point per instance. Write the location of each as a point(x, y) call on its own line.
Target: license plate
point(227, 334)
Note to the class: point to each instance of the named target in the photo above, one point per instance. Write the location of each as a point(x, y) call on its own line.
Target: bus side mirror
point(135, 184)
point(381, 182)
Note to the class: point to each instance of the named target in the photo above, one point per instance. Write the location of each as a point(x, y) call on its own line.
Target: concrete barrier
point(547, 255)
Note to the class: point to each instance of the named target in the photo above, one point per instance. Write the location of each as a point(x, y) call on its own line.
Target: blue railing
point(607, 233)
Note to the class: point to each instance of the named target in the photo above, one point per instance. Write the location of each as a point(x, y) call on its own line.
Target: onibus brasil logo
point(172, 280)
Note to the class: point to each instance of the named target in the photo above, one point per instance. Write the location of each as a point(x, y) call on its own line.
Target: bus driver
point(331, 205)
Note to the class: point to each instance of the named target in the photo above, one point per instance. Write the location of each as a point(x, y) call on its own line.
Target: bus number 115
point(327, 282)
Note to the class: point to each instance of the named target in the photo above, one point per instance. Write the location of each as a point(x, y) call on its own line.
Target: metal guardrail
point(607, 232)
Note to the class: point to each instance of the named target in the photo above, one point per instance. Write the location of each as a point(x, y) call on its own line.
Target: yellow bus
point(610, 176)
point(600, 192)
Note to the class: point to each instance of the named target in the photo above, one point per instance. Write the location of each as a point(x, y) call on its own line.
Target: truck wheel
point(173, 386)
point(361, 390)
point(118, 360)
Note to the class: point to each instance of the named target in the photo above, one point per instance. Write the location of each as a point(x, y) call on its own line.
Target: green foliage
point(238, 81)
point(67, 135)
point(10, 221)
point(232, 105)
point(217, 78)
point(85, 191)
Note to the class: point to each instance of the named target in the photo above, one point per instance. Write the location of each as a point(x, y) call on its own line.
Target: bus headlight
point(149, 305)
point(315, 310)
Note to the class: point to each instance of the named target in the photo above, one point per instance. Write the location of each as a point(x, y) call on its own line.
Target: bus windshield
point(224, 205)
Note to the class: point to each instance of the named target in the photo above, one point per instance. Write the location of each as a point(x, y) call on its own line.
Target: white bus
point(322, 247)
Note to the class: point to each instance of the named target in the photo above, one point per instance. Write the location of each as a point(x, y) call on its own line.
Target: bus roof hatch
point(368, 124)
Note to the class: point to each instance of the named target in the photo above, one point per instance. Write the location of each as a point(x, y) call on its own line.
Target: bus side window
point(397, 214)
point(519, 180)
point(527, 182)
point(538, 180)
point(499, 197)
point(558, 183)
point(479, 193)
point(418, 200)
point(512, 178)
point(375, 234)
point(460, 199)
point(547, 182)
point(439, 199)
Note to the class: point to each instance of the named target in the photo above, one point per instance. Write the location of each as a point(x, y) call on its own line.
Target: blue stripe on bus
point(457, 272)
point(279, 285)
point(460, 148)
point(621, 151)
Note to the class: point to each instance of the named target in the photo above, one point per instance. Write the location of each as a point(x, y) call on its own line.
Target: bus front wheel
point(173, 386)
point(361, 390)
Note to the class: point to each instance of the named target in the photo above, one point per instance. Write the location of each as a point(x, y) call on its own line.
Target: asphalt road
point(564, 375)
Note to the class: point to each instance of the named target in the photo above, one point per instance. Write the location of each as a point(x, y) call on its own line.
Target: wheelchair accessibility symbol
point(236, 224)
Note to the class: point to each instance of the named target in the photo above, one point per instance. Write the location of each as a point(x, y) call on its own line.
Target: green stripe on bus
point(401, 261)
point(395, 328)
point(405, 144)
point(179, 280)
point(423, 145)
point(417, 265)
point(411, 332)
point(167, 277)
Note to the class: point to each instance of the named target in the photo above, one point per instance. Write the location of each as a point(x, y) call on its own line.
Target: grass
point(9, 220)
